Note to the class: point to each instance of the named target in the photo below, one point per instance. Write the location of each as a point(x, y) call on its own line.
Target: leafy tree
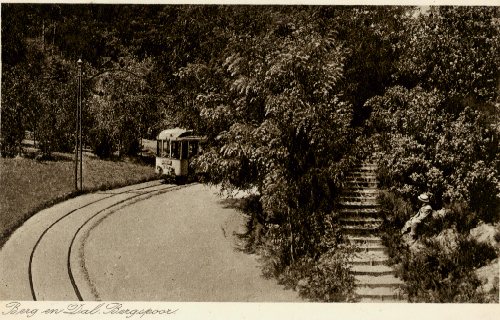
point(442, 132)
point(13, 35)
point(13, 128)
point(453, 50)
point(372, 36)
point(280, 126)
point(120, 107)
point(38, 96)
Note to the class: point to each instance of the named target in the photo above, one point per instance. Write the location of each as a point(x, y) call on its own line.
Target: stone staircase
point(360, 221)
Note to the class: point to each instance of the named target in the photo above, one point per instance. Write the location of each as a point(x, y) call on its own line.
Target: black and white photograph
point(249, 153)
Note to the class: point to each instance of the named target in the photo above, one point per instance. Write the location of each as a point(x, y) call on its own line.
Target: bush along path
point(360, 221)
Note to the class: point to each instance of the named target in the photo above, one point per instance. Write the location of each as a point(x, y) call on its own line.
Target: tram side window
point(193, 149)
point(184, 150)
point(175, 149)
point(166, 149)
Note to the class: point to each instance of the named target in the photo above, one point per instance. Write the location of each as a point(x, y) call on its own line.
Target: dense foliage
point(438, 128)
point(267, 118)
point(440, 131)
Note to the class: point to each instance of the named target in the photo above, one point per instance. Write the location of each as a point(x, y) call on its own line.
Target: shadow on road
point(234, 203)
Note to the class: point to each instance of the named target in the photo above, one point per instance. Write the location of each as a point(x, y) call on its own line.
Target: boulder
point(489, 275)
point(487, 233)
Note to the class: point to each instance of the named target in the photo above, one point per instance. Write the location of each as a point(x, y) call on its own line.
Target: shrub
point(474, 254)
point(433, 274)
point(255, 224)
point(328, 279)
point(461, 217)
point(394, 209)
point(102, 144)
point(483, 187)
point(323, 277)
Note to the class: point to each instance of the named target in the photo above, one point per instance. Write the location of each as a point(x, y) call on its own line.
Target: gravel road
point(178, 246)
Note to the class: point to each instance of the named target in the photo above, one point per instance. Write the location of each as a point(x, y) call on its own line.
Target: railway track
point(123, 198)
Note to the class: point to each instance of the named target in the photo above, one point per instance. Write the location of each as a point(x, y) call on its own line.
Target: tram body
point(174, 149)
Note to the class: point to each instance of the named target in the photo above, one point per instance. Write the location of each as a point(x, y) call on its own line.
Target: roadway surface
point(148, 242)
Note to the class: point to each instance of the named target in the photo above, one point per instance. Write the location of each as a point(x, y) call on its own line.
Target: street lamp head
point(79, 62)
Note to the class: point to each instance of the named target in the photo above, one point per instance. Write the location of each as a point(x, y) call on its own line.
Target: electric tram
point(174, 149)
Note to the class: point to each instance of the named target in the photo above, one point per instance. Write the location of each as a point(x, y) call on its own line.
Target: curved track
point(131, 195)
point(70, 272)
point(139, 243)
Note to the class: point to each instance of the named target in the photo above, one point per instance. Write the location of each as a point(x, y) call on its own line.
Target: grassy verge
point(28, 186)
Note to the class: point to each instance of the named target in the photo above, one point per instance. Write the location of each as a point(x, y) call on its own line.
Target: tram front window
point(162, 148)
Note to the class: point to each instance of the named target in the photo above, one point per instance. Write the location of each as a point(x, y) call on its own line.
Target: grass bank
point(28, 186)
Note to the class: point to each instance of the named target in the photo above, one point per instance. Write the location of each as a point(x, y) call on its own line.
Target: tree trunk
point(43, 35)
point(53, 39)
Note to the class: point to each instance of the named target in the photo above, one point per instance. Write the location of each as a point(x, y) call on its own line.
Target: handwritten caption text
point(111, 308)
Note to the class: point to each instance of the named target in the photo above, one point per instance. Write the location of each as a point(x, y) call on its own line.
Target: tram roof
point(174, 134)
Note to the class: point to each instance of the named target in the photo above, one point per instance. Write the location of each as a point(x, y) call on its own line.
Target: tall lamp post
point(78, 133)
point(78, 125)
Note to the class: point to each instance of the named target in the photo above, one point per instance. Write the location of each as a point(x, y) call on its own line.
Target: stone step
point(372, 262)
point(385, 281)
point(362, 174)
point(350, 179)
point(361, 226)
point(361, 221)
point(360, 230)
point(370, 203)
point(359, 215)
point(365, 169)
point(368, 198)
point(365, 240)
point(360, 193)
point(369, 258)
point(359, 183)
point(367, 165)
point(362, 198)
point(359, 211)
point(379, 294)
point(365, 181)
point(357, 190)
point(358, 204)
point(379, 270)
point(372, 247)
